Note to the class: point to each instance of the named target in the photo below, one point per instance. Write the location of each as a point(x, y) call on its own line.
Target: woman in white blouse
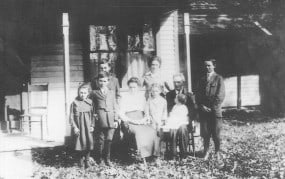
point(132, 107)
point(154, 76)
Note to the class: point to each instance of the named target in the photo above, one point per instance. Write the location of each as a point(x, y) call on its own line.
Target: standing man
point(182, 133)
point(210, 95)
point(113, 84)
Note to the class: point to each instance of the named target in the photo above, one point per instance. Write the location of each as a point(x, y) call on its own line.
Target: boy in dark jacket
point(105, 107)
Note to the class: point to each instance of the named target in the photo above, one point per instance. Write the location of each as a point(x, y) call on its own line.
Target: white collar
point(210, 74)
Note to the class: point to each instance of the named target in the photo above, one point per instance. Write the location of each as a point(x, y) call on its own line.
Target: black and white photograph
point(151, 89)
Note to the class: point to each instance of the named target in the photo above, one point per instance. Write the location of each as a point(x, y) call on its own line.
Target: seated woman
point(132, 107)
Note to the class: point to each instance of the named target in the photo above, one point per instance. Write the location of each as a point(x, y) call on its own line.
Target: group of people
point(98, 111)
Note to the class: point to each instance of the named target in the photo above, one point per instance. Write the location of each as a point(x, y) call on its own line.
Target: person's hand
point(206, 109)
point(76, 131)
point(91, 129)
point(116, 124)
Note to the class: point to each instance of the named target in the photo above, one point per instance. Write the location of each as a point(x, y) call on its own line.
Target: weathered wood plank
point(53, 63)
point(55, 74)
point(56, 58)
point(56, 79)
point(56, 68)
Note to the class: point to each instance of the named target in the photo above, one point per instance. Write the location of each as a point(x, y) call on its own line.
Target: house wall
point(167, 45)
point(48, 67)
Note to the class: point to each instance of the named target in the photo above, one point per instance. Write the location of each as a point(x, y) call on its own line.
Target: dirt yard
point(253, 146)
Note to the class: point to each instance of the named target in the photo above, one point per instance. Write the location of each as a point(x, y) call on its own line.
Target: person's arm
point(72, 117)
point(220, 92)
point(200, 97)
point(164, 113)
point(92, 118)
point(147, 112)
point(115, 109)
point(117, 90)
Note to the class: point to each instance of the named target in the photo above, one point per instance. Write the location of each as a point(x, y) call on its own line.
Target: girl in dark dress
point(82, 123)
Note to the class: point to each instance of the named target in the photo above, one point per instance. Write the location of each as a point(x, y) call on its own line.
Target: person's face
point(104, 67)
point(133, 87)
point(209, 66)
point(154, 66)
point(103, 82)
point(83, 93)
point(155, 92)
point(178, 82)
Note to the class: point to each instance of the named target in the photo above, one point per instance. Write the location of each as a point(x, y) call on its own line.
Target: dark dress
point(81, 117)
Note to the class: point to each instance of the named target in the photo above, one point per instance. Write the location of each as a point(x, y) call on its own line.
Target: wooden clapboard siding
point(57, 68)
point(51, 74)
point(167, 45)
point(42, 63)
point(55, 80)
point(54, 57)
point(48, 67)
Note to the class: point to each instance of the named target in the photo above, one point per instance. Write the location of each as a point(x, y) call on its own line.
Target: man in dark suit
point(210, 95)
point(107, 117)
point(182, 133)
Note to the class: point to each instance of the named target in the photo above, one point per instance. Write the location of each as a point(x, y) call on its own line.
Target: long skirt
point(146, 137)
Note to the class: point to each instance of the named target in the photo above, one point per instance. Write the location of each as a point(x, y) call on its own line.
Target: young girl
point(156, 113)
point(178, 118)
point(82, 123)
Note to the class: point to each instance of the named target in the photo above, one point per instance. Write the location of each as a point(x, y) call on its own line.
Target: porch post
point(65, 26)
point(187, 38)
point(239, 91)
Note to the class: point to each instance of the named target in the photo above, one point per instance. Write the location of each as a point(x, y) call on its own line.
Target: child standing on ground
point(82, 123)
point(105, 107)
point(177, 117)
point(156, 113)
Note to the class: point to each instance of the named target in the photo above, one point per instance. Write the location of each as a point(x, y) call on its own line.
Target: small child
point(105, 107)
point(156, 108)
point(156, 113)
point(179, 113)
point(82, 123)
point(178, 118)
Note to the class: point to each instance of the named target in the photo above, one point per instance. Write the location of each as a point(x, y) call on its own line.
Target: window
point(127, 49)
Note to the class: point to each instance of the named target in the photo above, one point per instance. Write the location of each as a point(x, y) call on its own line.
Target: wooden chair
point(37, 110)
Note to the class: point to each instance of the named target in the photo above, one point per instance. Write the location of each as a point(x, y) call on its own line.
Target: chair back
point(38, 99)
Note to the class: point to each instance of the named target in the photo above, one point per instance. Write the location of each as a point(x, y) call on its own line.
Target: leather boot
point(206, 148)
point(206, 155)
point(99, 150)
point(87, 159)
point(81, 162)
point(108, 153)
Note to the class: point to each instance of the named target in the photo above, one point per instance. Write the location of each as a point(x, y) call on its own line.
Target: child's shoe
point(81, 162)
point(87, 164)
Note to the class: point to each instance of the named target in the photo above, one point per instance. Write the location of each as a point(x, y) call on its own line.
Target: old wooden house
point(125, 32)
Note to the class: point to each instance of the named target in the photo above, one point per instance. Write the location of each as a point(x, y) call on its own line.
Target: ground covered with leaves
point(253, 146)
